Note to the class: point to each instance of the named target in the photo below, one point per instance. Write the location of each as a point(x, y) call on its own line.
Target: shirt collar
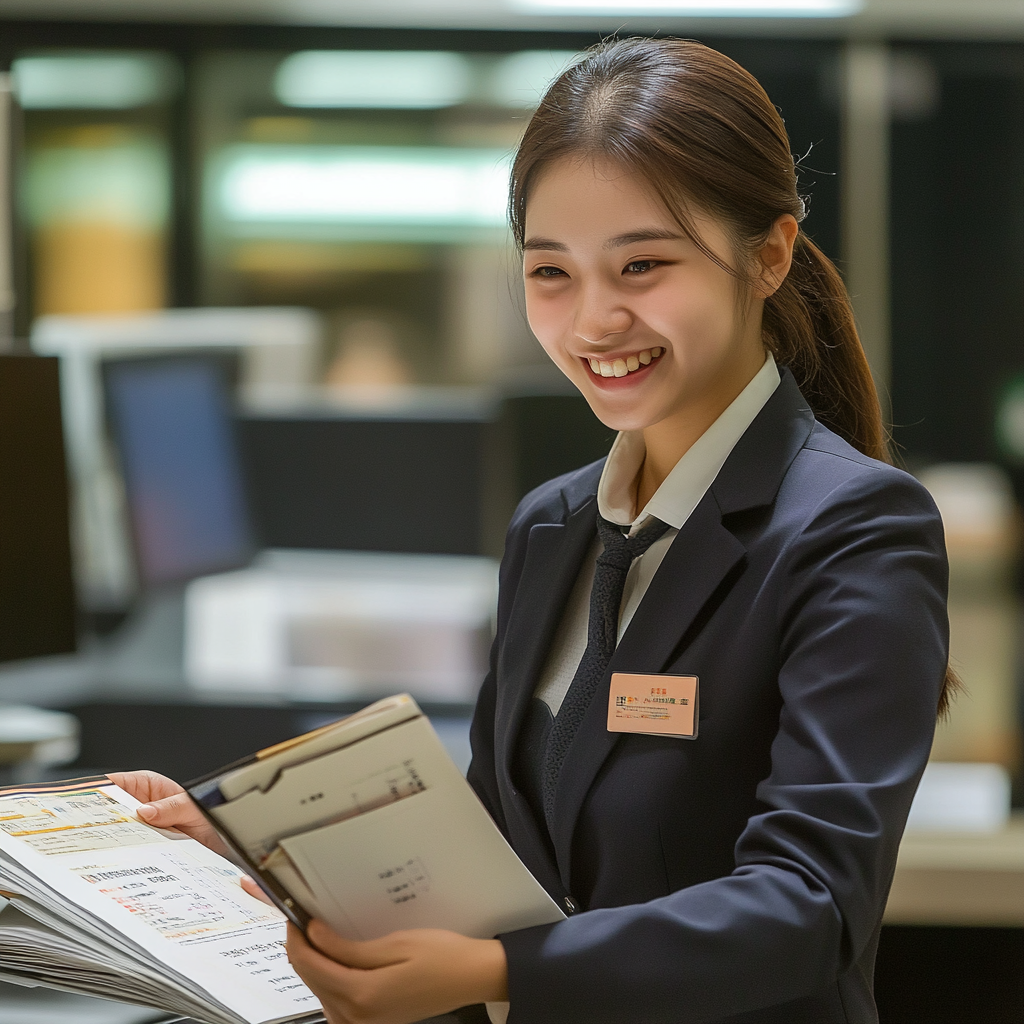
point(682, 490)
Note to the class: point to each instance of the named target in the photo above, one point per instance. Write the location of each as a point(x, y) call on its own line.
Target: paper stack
point(366, 824)
point(92, 900)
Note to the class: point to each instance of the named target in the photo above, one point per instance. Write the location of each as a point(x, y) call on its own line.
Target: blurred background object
point(97, 207)
point(367, 363)
point(961, 798)
point(6, 213)
point(330, 625)
point(983, 534)
point(411, 474)
point(33, 738)
point(96, 179)
point(275, 351)
point(172, 425)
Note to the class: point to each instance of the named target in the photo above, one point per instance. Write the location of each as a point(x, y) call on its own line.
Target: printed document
point(96, 901)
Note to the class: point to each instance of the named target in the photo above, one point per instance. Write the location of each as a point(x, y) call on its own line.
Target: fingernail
point(145, 811)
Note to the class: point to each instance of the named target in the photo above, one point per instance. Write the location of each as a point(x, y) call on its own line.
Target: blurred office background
point(263, 246)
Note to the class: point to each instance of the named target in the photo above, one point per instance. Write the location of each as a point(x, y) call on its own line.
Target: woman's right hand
point(165, 804)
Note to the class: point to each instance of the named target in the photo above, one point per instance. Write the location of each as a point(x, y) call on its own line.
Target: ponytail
point(809, 327)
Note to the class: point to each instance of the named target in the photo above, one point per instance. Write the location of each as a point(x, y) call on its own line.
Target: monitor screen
point(172, 425)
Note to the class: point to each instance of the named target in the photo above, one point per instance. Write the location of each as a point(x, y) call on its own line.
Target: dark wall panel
point(802, 80)
point(365, 485)
point(548, 435)
point(958, 254)
point(37, 599)
point(950, 975)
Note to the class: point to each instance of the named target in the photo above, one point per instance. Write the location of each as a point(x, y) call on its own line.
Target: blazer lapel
point(552, 562)
point(554, 554)
point(700, 558)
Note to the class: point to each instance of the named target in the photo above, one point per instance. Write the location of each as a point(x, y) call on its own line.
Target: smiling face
point(650, 329)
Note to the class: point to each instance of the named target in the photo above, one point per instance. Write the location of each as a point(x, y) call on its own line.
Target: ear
point(776, 255)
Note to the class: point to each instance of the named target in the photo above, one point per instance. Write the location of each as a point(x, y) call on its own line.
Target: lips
point(623, 366)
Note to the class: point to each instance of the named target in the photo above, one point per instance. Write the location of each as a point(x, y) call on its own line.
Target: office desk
point(137, 710)
point(960, 879)
point(953, 943)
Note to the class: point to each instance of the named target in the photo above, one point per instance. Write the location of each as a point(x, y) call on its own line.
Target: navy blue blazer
point(740, 876)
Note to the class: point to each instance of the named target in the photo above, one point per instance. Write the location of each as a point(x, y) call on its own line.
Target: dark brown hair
point(701, 132)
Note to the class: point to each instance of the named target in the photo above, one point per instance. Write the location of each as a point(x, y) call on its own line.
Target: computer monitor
point(409, 483)
point(171, 422)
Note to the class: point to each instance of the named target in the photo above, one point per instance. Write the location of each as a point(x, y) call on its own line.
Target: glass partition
point(367, 184)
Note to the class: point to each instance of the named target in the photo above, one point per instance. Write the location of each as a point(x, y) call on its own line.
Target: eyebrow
point(643, 235)
point(545, 243)
point(629, 238)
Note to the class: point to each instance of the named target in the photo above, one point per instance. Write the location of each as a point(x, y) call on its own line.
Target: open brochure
point(368, 825)
point(95, 901)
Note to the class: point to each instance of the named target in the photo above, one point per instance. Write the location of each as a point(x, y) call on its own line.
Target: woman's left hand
point(400, 978)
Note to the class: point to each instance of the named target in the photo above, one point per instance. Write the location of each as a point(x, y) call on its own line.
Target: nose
point(599, 314)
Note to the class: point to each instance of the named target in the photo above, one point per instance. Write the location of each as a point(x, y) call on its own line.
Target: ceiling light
point(521, 79)
point(366, 185)
point(373, 79)
point(92, 82)
point(699, 8)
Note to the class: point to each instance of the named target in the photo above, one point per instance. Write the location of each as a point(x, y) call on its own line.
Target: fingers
point(323, 977)
point(178, 812)
point(309, 963)
point(381, 952)
point(171, 812)
point(306, 954)
point(405, 976)
point(252, 887)
point(145, 785)
point(165, 804)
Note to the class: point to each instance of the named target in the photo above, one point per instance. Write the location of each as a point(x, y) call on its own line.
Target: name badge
point(657, 705)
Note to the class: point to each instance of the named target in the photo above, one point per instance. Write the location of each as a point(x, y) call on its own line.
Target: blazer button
point(570, 905)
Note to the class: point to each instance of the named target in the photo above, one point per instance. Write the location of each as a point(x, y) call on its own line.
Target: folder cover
point(368, 825)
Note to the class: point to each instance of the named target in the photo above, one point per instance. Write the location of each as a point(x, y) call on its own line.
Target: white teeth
point(624, 364)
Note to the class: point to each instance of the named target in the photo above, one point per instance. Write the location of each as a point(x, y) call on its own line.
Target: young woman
point(747, 530)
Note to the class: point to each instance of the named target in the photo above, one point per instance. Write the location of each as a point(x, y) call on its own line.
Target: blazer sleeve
point(863, 642)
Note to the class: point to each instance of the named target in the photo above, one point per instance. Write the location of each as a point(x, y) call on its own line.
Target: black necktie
point(602, 635)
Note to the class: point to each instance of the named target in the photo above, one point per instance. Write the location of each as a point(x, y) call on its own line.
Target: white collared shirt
point(672, 503)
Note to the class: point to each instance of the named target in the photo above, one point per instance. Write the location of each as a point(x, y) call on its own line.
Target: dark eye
point(549, 272)
point(640, 266)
